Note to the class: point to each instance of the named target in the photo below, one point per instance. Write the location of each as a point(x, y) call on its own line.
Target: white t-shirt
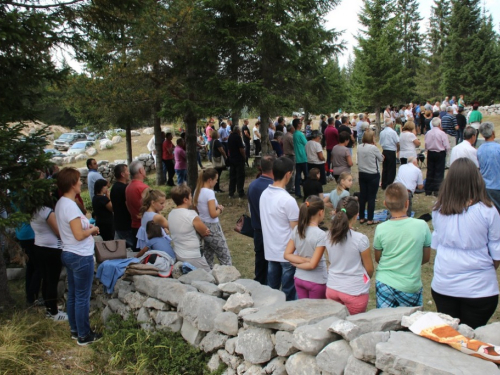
point(255, 131)
point(455, 109)
point(464, 150)
point(408, 114)
point(305, 247)
point(312, 149)
point(277, 210)
point(410, 176)
point(66, 211)
point(435, 108)
point(185, 240)
point(406, 145)
point(206, 195)
point(44, 236)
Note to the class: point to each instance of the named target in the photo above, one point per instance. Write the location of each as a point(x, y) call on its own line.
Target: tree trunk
point(235, 119)
point(377, 119)
point(190, 119)
point(128, 141)
point(264, 132)
point(160, 176)
point(5, 297)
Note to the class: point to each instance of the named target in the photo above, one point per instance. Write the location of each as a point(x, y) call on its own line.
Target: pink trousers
point(308, 289)
point(355, 304)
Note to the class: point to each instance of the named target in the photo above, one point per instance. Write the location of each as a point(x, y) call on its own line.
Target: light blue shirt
point(389, 139)
point(466, 246)
point(488, 155)
point(224, 133)
point(92, 177)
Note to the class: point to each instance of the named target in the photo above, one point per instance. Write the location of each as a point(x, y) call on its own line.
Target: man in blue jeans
point(279, 214)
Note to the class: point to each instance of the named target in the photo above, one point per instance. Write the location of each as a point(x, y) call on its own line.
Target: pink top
point(208, 132)
point(180, 158)
point(436, 140)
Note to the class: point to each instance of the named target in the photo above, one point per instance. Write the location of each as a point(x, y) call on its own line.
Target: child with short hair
point(305, 250)
point(344, 183)
point(402, 245)
point(312, 185)
point(156, 241)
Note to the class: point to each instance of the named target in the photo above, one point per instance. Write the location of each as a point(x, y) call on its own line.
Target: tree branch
point(38, 6)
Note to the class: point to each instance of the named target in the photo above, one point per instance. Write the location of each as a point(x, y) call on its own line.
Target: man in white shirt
point(410, 176)
point(389, 141)
point(409, 112)
point(93, 176)
point(466, 149)
point(279, 214)
point(437, 107)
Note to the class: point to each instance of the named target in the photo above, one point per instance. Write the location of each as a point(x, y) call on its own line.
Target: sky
point(345, 17)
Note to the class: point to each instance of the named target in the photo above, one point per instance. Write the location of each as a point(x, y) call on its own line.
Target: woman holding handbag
point(219, 157)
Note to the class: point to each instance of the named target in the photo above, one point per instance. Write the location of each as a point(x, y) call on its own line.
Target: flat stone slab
point(407, 353)
point(376, 320)
point(490, 333)
point(197, 275)
point(262, 295)
point(290, 315)
point(200, 310)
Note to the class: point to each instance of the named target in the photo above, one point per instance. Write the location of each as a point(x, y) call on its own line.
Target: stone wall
point(253, 330)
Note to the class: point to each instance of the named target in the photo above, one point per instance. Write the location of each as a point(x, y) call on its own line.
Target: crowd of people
point(291, 240)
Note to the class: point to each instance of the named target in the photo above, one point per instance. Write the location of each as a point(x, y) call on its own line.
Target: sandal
point(374, 222)
point(362, 221)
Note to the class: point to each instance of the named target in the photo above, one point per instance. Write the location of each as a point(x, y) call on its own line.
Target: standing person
point(332, 139)
point(305, 250)
point(402, 245)
point(408, 142)
point(475, 118)
point(246, 139)
point(153, 203)
point(77, 256)
point(341, 156)
point(276, 143)
point(488, 155)
point(180, 162)
point(133, 197)
point(208, 132)
point(351, 265)
point(93, 176)
point(315, 157)
point(437, 145)
point(279, 214)
point(289, 152)
point(218, 151)
point(465, 149)
point(359, 127)
point(255, 190)
point(168, 159)
point(369, 158)
point(467, 242)
point(103, 210)
point(121, 217)
point(237, 163)
point(462, 123)
point(223, 133)
point(461, 101)
point(450, 127)
point(210, 210)
point(299, 146)
point(389, 141)
point(322, 125)
point(308, 129)
point(410, 176)
point(344, 127)
point(200, 145)
point(256, 138)
point(26, 238)
point(312, 185)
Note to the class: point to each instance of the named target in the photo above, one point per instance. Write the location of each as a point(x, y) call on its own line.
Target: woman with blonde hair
point(408, 142)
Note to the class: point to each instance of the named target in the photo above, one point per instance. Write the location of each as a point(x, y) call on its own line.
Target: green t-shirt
point(299, 146)
point(475, 116)
point(401, 243)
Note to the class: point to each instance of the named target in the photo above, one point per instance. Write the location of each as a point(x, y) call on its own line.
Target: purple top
point(180, 158)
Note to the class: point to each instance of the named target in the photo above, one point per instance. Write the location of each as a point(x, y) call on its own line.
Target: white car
point(80, 148)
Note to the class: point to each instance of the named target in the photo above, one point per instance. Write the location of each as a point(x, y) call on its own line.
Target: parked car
point(112, 132)
point(95, 136)
point(80, 147)
point(54, 153)
point(65, 141)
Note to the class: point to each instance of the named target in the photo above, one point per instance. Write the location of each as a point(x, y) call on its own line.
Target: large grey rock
point(375, 320)
point(15, 273)
point(232, 361)
point(150, 285)
point(237, 302)
point(168, 320)
point(254, 370)
point(213, 341)
point(356, 367)
point(200, 310)
point(144, 319)
point(333, 358)
point(489, 333)
point(148, 131)
point(256, 345)
point(135, 300)
point(231, 345)
point(407, 353)
point(227, 323)
point(302, 364)
point(123, 291)
point(225, 274)
point(276, 366)
point(292, 314)
point(119, 308)
point(197, 275)
point(232, 288)
point(173, 292)
point(408, 320)
point(313, 338)
point(91, 151)
point(262, 295)
point(206, 287)
point(285, 344)
point(364, 347)
point(191, 334)
point(214, 362)
point(153, 303)
point(349, 331)
point(106, 314)
point(467, 331)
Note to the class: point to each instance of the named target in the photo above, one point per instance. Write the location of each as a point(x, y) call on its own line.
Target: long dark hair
point(347, 208)
point(309, 208)
point(462, 187)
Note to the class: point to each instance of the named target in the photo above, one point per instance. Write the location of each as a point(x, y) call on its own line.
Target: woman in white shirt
point(467, 241)
point(408, 142)
point(77, 256)
point(209, 210)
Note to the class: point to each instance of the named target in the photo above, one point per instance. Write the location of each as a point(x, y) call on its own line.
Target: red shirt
point(168, 150)
point(133, 196)
point(331, 137)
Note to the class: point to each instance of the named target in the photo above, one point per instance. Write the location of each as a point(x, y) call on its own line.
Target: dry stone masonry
point(254, 331)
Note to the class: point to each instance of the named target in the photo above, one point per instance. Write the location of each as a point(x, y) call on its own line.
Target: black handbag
point(244, 226)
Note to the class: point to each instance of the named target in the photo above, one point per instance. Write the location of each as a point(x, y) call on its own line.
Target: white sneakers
point(59, 317)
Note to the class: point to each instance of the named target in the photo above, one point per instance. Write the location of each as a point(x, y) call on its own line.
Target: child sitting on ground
point(402, 245)
point(305, 250)
point(156, 240)
point(342, 190)
point(312, 185)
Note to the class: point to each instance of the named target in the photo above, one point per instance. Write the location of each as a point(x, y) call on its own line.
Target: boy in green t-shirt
point(402, 245)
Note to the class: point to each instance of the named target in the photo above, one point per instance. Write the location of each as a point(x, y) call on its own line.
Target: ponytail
point(342, 176)
point(203, 176)
point(308, 209)
point(148, 197)
point(347, 208)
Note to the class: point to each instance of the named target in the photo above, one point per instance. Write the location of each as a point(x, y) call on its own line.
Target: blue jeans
point(126, 235)
point(80, 276)
point(299, 169)
point(181, 176)
point(281, 274)
point(198, 159)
